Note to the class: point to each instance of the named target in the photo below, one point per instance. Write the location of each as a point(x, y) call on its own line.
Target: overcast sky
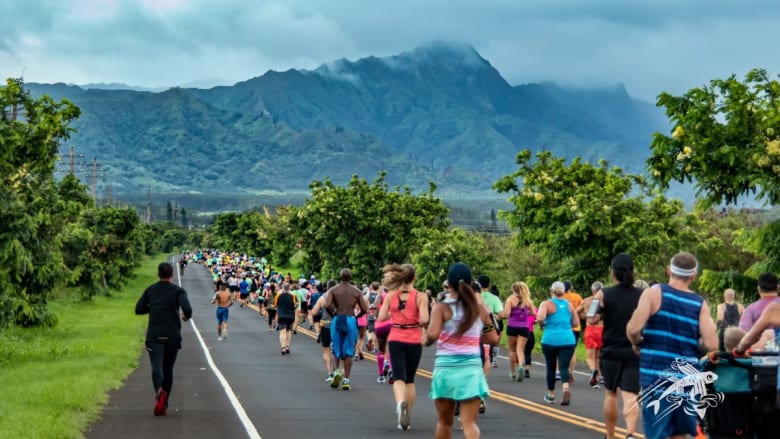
point(648, 45)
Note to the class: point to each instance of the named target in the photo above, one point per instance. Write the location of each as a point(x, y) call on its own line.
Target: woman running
point(459, 326)
point(270, 298)
point(408, 310)
point(518, 308)
point(557, 316)
point(382, 331)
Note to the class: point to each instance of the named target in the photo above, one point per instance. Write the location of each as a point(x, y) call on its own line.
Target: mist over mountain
point(438, 113)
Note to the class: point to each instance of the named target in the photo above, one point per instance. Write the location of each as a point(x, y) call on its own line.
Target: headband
point(683, 272)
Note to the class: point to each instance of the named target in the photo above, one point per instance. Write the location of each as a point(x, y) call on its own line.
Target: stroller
point(744, 396)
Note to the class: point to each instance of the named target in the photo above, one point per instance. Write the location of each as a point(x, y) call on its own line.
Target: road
point(244, 388)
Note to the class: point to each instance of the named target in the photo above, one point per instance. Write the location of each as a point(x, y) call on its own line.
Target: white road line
point(250, 428)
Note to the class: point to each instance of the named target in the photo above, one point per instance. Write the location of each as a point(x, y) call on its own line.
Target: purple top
point(754, 310)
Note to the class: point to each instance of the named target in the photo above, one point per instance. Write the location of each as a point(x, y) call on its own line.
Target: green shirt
point(492, 301)
point(301, 295)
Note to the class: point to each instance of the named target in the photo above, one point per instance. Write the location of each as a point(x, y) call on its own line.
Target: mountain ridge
point(440, 112)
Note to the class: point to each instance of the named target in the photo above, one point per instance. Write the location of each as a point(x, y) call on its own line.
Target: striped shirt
point(454, 350)
point(671, 333)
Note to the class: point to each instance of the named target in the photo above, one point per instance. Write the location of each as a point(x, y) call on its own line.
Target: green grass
point(579, 352)
point(54, 381)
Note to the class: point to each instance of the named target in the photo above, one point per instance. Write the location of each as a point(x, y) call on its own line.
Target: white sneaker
point(220, 338)
point(403, 415)
point(380, 379)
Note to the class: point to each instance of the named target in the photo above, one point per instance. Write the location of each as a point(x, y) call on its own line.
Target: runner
point(558, 317)
point(223, 301)
point(459, 326)
point(373, 292)
point(343, 330)
point(270, 307)
point(324, 331)
point(594, 331)
point(243, 290)
point(518, 308)
point(493, 302)
point(382, 331)
point(408, 310)
point(285, 304)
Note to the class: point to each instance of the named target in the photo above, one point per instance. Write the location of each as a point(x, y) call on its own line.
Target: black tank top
point(730, 315)
point(620, 301)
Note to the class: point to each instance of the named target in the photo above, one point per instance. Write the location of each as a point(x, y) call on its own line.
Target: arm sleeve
point(142, 306)
point(184, 303)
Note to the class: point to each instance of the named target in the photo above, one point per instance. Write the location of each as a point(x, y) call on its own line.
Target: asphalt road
point(244, 388)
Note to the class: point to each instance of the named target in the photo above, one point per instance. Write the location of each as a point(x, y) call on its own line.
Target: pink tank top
point(406, 321)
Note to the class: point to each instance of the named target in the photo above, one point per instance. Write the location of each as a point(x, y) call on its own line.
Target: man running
point(223, 301)
point(162, 301)
point(324, 332)
point(341, 304)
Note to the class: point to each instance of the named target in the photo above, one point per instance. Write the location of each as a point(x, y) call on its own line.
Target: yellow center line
point(542, 409)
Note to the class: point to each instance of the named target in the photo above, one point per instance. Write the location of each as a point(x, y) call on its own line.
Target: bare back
point(344, 297)
point(222, 299)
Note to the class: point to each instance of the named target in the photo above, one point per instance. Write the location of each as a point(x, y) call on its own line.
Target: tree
point(726, 139)
point(363, 226)
point(31, 131)
point(169, 212)
point(578, 216)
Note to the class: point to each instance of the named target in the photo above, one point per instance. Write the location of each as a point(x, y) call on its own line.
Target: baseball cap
point(622, 260)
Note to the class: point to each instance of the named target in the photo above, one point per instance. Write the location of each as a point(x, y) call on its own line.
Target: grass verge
point(56, 380)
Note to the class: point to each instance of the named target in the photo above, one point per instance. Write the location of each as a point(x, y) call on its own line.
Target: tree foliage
point(363, 226)
point(726, 139)
point(578, 216)
point(31, 131)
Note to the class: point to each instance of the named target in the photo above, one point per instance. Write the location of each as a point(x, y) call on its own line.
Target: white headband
point(683, 272)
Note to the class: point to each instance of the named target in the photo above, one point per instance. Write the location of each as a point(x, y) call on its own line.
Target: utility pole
point(148, 216)
point(175, 211)
point(108, 195)
point(72, 161)
point(95, 166)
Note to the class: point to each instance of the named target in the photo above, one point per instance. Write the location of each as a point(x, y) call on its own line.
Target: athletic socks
point(380, 363)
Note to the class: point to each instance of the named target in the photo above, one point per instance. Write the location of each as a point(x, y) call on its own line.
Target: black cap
point(622, 260)
point(458, 272)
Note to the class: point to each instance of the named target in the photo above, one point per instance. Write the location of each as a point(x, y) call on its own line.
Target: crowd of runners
point(636, 335)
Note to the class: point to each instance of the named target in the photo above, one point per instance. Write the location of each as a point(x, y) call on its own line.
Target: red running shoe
point(160, 403)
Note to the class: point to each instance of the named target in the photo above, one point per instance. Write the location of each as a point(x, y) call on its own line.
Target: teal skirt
point(459, 383)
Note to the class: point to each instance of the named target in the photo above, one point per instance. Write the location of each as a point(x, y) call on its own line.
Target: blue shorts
point(664, 419)
point(222, 314)
point(344, 335)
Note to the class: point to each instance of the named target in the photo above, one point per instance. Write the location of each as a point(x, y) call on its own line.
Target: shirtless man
point(224, 300)
point(341, 303)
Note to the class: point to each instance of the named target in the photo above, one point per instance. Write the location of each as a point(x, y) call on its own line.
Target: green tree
point(31, 131)
point(726, 139)
point(578, 216)
point(363, 226)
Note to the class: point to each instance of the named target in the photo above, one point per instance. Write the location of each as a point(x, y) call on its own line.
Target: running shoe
point(220, 338)
point(403, 415)
point(549, 399)
point(345, 384)
point(360, 354)
point(159, 402)
point(594, 381)
point(319, 338)
point(512, 376)
point(386, 369)
point(334, 383)
point(601, 381)
point(528, 373)
point(566, 397)
point(390, 379)
point(520, 374)
point(329, 378)
point(283, 352)
point(482, 406)
point(494, 363)
point(380, 379)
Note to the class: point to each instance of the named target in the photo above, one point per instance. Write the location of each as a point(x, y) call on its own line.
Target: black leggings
point(162, 357)
point(560, 355)
point(271, 316)
point(529, 347)
point(405, 358)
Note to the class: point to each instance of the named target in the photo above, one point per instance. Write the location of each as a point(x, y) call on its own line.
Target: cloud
point(649, 46)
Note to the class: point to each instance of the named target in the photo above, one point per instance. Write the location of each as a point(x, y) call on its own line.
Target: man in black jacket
point(162, 302)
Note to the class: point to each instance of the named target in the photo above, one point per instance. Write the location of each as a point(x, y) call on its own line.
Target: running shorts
point(222, 314)
point(514, 331)
point(593, 337)
point(344, 335)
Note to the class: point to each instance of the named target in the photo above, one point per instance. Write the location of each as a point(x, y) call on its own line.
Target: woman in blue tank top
point(557, 317)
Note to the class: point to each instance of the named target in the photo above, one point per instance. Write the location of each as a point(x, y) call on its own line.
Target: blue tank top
point(557, 326)
point(669, 335)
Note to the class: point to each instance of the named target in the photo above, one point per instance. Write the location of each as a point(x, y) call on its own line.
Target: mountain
point(438, 113)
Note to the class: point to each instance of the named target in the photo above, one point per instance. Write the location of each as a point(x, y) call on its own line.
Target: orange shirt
point(575, 299)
